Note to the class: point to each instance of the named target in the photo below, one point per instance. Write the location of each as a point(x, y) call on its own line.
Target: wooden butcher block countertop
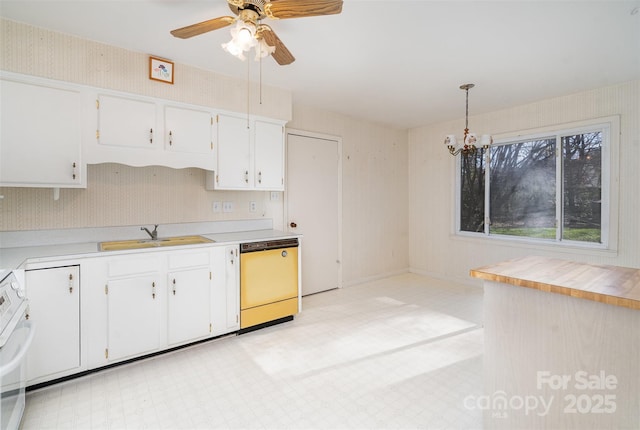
point(613, 285)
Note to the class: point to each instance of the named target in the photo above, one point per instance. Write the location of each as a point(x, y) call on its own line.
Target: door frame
point(313, 135)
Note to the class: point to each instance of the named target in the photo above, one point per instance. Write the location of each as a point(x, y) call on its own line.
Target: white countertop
point(61, 246)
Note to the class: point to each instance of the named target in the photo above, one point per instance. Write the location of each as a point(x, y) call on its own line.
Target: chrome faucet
point(153, 234)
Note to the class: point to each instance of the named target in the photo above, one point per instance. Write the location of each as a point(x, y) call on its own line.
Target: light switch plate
point(217, 207)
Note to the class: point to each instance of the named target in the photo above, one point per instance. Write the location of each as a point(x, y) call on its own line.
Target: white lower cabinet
point(225, 297)
point(133, 311)
point(131, 305)
point(162, 299)
point(189, 293)
point(54, 309)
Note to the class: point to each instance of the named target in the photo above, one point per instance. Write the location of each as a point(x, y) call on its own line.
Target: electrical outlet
point(217, 207)
point(227, 207)
point(253, 207)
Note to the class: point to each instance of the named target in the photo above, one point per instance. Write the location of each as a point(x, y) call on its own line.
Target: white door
point(313, 207)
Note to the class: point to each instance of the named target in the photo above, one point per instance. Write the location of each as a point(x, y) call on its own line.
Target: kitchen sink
point(120, 245)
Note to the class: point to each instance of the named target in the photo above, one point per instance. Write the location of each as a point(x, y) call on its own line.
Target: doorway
point(314, 206)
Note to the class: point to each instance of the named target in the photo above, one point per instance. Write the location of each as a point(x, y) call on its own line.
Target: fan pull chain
point(260, 53)
point(248, 92)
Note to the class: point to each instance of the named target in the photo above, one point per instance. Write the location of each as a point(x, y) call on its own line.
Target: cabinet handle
point(259, 177)
point(246, 176)
point(70, 283)
point(170, 138)
point(174, 287)
point(150, 135)
point(73, 172)
point(153, 290)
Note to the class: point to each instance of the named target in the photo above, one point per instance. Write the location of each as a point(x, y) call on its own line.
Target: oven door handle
point(15, 362)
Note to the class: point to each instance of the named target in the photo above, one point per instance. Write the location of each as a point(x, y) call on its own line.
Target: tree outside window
point(533, 183)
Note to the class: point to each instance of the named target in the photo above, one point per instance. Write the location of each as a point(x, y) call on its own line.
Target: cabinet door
point(188, 301)
point(225, 307)
point(40, 135)
point(269, 156)
point(188, 130)
point(133, 314)
point(232, 284)
point(54, 308)
point(127, 122)
point(234, 155)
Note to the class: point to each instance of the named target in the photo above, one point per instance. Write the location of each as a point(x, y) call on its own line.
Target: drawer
point(133, 265)
point(180, 260)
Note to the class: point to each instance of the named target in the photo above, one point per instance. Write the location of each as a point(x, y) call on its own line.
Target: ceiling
point(395, 62)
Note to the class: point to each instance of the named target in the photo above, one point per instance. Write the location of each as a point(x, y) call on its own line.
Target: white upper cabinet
point(250, 155)
point(234, 153)
point(188, 130)
point(40, 137)
point(129, 122)
point(269, 155)
point(51, 130)
point(142, 131)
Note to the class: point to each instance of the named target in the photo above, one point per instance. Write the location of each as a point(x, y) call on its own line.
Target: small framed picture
point(160, 70)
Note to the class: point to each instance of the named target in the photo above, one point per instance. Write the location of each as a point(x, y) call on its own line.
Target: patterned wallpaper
point(118, 195)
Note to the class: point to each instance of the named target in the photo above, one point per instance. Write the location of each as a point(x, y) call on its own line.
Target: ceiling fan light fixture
point(234, 49)
point(243, 38)
point(245, 35)
point(263, 49)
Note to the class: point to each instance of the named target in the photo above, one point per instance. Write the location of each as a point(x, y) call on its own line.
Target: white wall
point(433, 247)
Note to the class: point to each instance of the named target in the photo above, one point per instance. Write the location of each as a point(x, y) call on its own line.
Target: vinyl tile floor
point(399, 353)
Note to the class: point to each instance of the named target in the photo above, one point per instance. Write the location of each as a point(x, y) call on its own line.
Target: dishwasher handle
point(268, 244)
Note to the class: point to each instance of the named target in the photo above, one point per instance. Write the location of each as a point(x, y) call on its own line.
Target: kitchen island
point(562, 345)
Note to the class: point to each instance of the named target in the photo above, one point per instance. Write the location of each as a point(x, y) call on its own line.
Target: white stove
point(16, 334)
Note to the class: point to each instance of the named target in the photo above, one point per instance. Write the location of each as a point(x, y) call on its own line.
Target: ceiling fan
point(250, 31)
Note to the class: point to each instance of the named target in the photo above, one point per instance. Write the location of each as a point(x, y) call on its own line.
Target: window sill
point(538, 245)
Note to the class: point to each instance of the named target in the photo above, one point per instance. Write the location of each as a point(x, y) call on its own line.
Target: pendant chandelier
point(469, 144)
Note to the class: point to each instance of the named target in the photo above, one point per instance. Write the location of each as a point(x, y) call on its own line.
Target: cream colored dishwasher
point(268, 282)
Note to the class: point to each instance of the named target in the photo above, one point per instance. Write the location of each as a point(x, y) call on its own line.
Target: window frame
point(610, 128)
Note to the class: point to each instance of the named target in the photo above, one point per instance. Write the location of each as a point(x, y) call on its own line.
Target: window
point(550, 186)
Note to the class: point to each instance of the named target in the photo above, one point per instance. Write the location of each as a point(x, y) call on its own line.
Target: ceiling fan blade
point(283, 9)
point(203, 27)
point(281, 54)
